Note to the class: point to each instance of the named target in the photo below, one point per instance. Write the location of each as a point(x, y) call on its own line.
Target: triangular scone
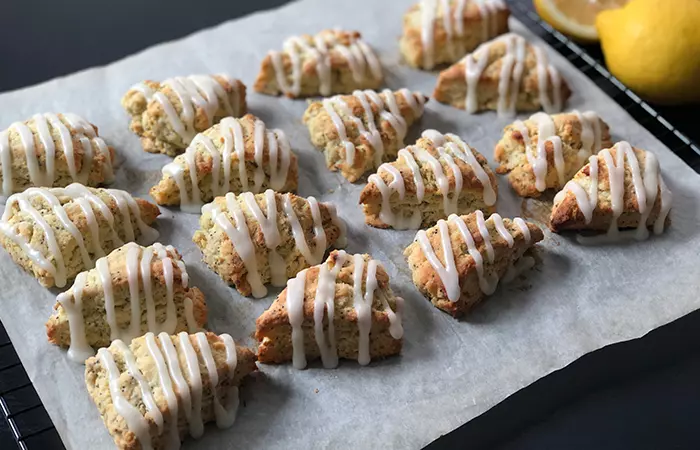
point(156, 390)
point(330, 62)
point(53, 150)
point(442, 32)
point(620, 187)
point(56, 233)
point(544, 152)
point(350, 292)
point(98, 308)
point(359, 132)
point(236, 155)
point(251, 240)
point(481, 253)
point(439, 176)
point(167, 115)
point(506, 74)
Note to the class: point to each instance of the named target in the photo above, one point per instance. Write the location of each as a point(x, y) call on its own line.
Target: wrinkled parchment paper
point(576, 300)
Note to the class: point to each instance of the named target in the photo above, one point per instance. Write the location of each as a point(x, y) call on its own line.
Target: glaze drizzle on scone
point(326, 50)
point(90, 204)
point(240, 234)
point(453, 24)
point(202, 91)
point(324, 299)
point(138, 267)
point(449, 147)
point(647, 188)
point(43, 129)
point(271, 145)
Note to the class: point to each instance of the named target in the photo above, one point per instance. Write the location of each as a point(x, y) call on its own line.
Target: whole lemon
point(653, 47)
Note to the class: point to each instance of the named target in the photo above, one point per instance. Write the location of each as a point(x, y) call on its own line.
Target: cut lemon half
point(575, 18)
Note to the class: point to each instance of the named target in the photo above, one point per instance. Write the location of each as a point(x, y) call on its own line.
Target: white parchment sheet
point(577, 300)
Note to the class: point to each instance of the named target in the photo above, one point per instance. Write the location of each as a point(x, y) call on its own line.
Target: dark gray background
point(644, 394)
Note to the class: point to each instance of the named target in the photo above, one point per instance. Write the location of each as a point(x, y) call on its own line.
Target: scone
point(441, 32)
point(343, 308)
point(251, 240)
point(131, 291)
point(236, 155)
point(151, 393)
point(53, 150)
point(56, 233)
point(167, 115)
point(330, 62)
point(506, 74)
point(544, 152)
point(439, 176)
point(620, 187)
point(459, 261)
point(360, 131)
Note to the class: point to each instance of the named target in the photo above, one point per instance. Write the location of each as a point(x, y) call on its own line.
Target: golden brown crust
point(97, 329)
point(567, 215)
point(510, 152)
point(97, 382)
point(150, 121)
point(274, 332)
point(167, 191)
point(342, 80)
point(79, 131)
point(428, 280)
point(470, 197)
point(449, 47)
point(222, 256)
point(451, 87)
point(326, 137)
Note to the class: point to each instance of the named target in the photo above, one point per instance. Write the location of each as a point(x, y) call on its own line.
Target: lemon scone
point(506, 74)
point(343, 308)
point(358, 132)
point(56, 233)
point(154, 391)
point(236, 155)
point(53, 150)
point(327, 63)
point(462, 259)
point(251, 240)
point(439, 176)
point(441, 32)
point(131, 291)
point(544, 152)
point(620, 187)
point(167, 115)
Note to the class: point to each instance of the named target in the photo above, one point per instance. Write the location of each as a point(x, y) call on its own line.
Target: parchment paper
point(577, 300)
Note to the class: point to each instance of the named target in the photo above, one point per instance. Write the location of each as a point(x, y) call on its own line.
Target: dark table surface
point(642, 394)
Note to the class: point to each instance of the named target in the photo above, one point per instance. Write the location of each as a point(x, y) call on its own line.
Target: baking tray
point(21, 407)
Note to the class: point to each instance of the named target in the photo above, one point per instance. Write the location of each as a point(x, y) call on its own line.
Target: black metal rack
point(29, 423)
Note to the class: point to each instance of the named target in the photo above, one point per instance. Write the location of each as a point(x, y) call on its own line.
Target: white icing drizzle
point(273, 142)
point(449, 148)
point(173, 386)
point(25, 202)
point(646, 190)
point(194, 91)
point(512, 69)
point(447, 271)
point(547, 132)
point(138, 267)
point(240, 237)
point(453, 24)
point(324, 302)
point(322, 48)
point(79, 129)
point(388, 110)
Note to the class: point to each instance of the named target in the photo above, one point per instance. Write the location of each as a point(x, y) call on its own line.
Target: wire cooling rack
point(29, 424)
